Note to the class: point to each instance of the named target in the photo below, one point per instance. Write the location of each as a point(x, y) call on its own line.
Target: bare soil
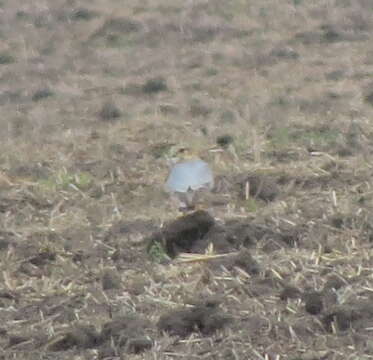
point(275, 263)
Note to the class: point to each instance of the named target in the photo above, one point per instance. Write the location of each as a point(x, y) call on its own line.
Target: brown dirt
point(96, 98)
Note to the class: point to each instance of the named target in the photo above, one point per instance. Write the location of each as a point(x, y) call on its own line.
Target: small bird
point(189, 178)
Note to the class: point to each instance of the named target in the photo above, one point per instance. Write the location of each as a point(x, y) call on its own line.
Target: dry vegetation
point(95, 94)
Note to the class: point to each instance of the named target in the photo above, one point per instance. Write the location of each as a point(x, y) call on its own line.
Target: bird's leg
point(183, 201)
point(189, 198)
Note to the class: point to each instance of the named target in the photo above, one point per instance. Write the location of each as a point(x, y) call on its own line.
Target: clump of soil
point(290, 292)
point(205, 318)
point(356, 314)
point(110, 279)
point(181, 234)
point(314, 303)
point(125, 333)
point(80, 336)
point(259, 186)
point(109, 112)
point(242, 260)
point(194, 232)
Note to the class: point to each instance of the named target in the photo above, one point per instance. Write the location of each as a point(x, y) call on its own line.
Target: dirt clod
point(224, 140)
point(182, 234)
point(110, 280)
point(154, 85)
point(246, 262)
point(43, 257)
point(109, 111)
point(16, 339)
point(182, 322)
point(138, 345)
point(260, 186)
point(290, 292)
point(81, 337)
point(42, 94)
point(243, 260)
point(313, 302)
point(356, 314)
point(124, 328)
point(334, 282)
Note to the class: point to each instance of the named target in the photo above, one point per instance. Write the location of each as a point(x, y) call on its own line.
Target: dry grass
point(93, 97)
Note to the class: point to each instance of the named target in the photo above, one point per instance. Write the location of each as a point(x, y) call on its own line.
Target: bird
point(189, 178)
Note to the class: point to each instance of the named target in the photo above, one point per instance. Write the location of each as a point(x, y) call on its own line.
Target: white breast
point(191, 174)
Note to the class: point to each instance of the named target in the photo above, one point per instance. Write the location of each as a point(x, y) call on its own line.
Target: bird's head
point(180, 154)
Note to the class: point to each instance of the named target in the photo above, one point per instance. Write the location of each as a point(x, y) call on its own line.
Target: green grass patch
point(63, 180)
point(120, 41)
point(6, 59)
point(251, 205)
point(281, 137)
point(157, 253)
point(318, 138)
